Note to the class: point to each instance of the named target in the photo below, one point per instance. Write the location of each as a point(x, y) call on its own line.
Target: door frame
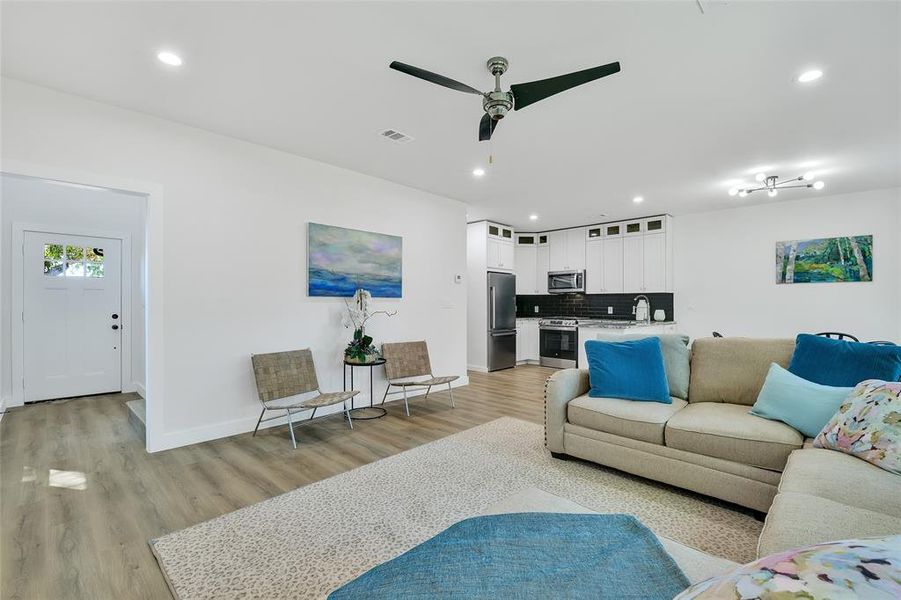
point(17, 301)
point(154, 347)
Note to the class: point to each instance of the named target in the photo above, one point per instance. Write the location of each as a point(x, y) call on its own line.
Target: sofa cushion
point(868, 425)
point(733, 369)
point(842, 478)
point(627, 418)
point(728, 431)
point(632, 370)
point(842, 362)
point(855, 568)
point(798, 520)
point(805, 405)
point(676, 357)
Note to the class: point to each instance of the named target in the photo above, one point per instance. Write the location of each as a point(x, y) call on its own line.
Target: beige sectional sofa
point(709, 443)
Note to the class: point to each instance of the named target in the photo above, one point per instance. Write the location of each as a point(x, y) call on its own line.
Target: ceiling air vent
point(395, 136)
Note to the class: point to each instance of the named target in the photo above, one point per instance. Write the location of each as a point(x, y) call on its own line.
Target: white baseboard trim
point(139, 389)
point(477, 369)
point(206, 433)
point(4, 402)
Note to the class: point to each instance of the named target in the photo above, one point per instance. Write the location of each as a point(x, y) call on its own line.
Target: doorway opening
point(75, 290)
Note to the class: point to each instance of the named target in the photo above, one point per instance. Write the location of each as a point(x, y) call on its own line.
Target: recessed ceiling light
point(169, 58)
point(819, 185)
point(533, 217)
point(478, 171)
point(637, 199)
point(808, 76)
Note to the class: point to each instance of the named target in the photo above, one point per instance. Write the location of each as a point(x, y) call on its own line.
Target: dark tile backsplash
point(589, 306)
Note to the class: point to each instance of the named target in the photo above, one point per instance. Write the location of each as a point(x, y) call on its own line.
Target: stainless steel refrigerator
point(501, 321)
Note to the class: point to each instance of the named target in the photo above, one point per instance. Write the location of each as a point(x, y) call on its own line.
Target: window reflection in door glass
point(74, 269)
point(74, 253)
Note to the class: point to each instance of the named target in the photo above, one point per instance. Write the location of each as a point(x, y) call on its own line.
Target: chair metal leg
point(428, 389)
point(347, 414)
point(406, 404)
point(450, 391)
point(388, 387)
point(291, 428)
point(260, 420)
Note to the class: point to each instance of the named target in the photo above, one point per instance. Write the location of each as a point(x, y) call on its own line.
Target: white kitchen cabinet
point(594, 266)
point(542, 266)
point(633, 263)
point(567, 249)
point(613, 265)
point(557, 243)
point(527, 341)
point(654, 258)
point(575, 249)
point(525, 257)
point(500, 255)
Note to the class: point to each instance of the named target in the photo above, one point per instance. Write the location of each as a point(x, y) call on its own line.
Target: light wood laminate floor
point(80, 497)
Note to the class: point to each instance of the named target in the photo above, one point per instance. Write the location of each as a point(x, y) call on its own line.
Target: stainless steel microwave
point(565, 282)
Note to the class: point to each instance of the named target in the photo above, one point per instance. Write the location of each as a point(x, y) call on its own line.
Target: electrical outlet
point(609, 310)
point(536, 310)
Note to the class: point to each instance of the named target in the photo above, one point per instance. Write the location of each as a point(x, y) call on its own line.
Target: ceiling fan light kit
point(497, 103)
point(772, 185)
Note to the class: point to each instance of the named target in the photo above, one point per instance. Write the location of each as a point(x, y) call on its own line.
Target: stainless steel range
point(559, 342)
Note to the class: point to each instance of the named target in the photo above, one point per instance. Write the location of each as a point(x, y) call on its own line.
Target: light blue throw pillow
point(630, 370)
point(802, 404)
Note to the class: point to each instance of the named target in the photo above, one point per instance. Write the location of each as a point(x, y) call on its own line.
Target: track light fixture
point(772, 185)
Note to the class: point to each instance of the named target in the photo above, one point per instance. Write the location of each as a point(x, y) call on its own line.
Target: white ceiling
point(702, 99)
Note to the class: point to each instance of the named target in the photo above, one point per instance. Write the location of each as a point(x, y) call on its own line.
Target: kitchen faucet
point(647, 308)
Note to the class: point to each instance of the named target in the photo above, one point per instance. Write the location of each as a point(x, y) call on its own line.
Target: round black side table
point(378, 411)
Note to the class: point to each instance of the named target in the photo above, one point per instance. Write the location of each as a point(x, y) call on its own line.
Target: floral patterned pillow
point(868, 425)
point(844, 570)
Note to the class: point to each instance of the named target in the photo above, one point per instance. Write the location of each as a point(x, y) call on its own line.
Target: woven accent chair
point(282, 375)
point(407, 364)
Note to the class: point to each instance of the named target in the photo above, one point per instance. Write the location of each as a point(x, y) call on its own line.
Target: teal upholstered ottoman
point(529, 555)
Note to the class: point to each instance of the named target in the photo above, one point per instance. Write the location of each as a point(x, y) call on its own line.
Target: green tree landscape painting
point(825, 260)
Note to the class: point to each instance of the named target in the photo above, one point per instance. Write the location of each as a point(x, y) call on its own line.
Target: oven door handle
point(554, 328)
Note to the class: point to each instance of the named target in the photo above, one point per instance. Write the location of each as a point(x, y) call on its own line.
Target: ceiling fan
point(496, 103)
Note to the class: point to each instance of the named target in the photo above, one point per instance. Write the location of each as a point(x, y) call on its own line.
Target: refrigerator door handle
point(503, 334)
point(491, 301)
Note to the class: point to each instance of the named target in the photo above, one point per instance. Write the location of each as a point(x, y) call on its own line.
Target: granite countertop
point(606, 323)
point(620, 324)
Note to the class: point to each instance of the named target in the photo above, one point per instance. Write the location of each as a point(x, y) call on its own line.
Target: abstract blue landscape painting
point(341, 261)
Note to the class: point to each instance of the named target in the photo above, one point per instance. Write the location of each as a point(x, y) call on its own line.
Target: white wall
point(73, 209)
point(477, 312)
point(725, 274)
point(233, 247)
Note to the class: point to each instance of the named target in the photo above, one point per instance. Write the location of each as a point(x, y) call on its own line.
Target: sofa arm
point(559, 389)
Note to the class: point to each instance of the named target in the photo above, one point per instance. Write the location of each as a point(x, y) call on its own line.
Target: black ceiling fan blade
point(433, 77)
point(525, 94)
point(486, 127)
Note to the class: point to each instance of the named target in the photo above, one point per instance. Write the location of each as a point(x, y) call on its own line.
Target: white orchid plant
point(358, 313)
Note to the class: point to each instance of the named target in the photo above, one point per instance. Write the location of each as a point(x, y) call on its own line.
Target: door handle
point(115, 327)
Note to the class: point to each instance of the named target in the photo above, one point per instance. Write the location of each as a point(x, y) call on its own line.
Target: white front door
point(73, 315)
